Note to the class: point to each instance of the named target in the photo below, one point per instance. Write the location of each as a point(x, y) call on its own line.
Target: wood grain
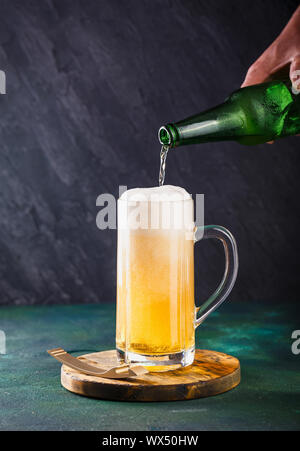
point(212, 373)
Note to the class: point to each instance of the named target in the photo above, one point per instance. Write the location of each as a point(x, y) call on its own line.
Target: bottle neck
point(217, 124)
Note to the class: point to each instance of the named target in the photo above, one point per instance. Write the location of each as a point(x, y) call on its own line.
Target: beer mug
point(156, 312)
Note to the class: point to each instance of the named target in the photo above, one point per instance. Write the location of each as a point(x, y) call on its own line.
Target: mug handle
point(230, 273)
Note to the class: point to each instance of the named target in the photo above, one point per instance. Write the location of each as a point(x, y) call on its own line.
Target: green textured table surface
point(31, 397)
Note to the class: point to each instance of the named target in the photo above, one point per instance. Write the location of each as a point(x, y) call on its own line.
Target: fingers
point(295, 74)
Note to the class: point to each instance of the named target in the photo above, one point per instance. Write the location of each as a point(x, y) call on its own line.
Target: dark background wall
point(88, 85)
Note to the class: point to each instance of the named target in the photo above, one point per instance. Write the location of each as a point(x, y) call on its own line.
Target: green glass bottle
point(251, 115)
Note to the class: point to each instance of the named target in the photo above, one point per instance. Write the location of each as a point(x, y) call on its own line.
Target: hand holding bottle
point(282, 56)
point(258, 114)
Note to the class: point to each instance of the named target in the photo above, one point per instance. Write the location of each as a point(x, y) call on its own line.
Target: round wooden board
point(211, 373)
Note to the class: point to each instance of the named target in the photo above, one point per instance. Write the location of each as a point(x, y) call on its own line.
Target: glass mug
point(156, 312)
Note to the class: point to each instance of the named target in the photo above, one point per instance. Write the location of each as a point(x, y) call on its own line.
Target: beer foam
point(161, 208)
point(156, 194)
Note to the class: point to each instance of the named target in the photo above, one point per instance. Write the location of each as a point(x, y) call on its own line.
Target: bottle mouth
point(164, 136)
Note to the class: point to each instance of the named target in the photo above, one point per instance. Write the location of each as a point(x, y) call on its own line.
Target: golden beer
point(155, 292)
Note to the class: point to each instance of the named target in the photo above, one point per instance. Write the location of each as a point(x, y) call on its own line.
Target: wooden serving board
point(211, 373)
